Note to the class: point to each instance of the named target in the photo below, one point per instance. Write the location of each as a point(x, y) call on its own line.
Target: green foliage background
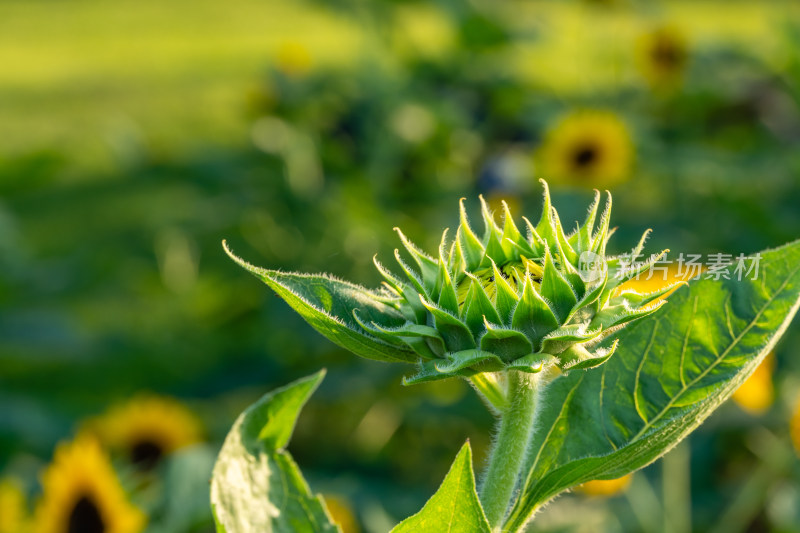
point(136, 136)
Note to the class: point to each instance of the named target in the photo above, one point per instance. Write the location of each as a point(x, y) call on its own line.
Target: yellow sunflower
point(757, 393)
point(587, 148)
point(605, 487)
point(81, 494)
point(12, 507)
point(146, 429)
point(662, 55)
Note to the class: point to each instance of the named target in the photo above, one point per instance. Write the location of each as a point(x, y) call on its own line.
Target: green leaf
point(455, 507)
point(256, 486)
point(327, 304)
point(668, 374)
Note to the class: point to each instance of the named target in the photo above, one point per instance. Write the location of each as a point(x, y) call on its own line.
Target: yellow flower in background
point(757, 393)
point(81, 494)
point(647, 283)
point(587, 148)
point(146, 428)
point(294, 59)
point(12, 507)
point(341, 513)
point(605, 487)
point(662, 55)
point(795, 428)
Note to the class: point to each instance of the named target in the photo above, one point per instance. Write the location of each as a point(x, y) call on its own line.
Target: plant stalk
point(508, 454)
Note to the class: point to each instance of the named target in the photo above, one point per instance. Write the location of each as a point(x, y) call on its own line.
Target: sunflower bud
point(505, 300)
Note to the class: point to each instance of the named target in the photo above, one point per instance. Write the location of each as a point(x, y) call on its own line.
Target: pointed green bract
point(455, 333)
point(533, 296)
point(470, 246)
point(533, 316)
point(459, 361)
point(428, 267)
point(556, 290)
point(508, 344)
point(511, 234)
point(506, 297)
point(478, 308)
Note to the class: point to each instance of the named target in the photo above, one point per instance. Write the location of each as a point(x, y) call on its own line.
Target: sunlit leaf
point(668, 374)
point(256, 486)
point(455, 507)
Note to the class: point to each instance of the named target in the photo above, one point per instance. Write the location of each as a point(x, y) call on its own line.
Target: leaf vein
point(721, 356)
point(681, 366)
point(637, 381)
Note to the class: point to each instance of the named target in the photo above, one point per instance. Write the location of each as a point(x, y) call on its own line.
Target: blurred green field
point(78, 75)
point(87, 77)
point(138, 135)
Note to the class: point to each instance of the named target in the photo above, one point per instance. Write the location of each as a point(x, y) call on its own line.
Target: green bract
point(505, 300)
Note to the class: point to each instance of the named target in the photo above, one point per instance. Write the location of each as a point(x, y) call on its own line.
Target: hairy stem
point(508, 454)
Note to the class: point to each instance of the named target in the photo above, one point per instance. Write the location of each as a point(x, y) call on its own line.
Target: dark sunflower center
point(585, 155)
point(85, 518)
point(666, 54)
point(146, 454)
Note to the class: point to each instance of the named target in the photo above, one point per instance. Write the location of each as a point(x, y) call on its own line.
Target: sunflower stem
point(514, 434)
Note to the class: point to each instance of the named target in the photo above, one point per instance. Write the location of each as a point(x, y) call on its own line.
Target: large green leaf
point(455, 507)
point(328, 304)
point(256, 487)
point(668, 375)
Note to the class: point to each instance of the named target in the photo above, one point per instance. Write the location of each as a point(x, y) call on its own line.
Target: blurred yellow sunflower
point(661, 276)
point(341, 513)
point(294, 59)
point(662, 55)
point(795, 428)
point(589, 148)
point(12, 507)
point(146, 429)
point(605, 487)
point(81, 494)
point(757, 393)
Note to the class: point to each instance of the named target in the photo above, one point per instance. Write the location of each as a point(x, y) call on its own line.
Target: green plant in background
point(532, 321)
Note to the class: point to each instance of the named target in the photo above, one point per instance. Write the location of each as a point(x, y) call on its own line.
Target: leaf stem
point(515, 430)
point(490, 391)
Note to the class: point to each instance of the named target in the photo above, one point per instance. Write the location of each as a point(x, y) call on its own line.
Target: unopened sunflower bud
point(505, 300)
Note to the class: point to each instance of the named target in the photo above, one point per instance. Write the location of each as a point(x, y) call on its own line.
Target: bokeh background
point(135, 136)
